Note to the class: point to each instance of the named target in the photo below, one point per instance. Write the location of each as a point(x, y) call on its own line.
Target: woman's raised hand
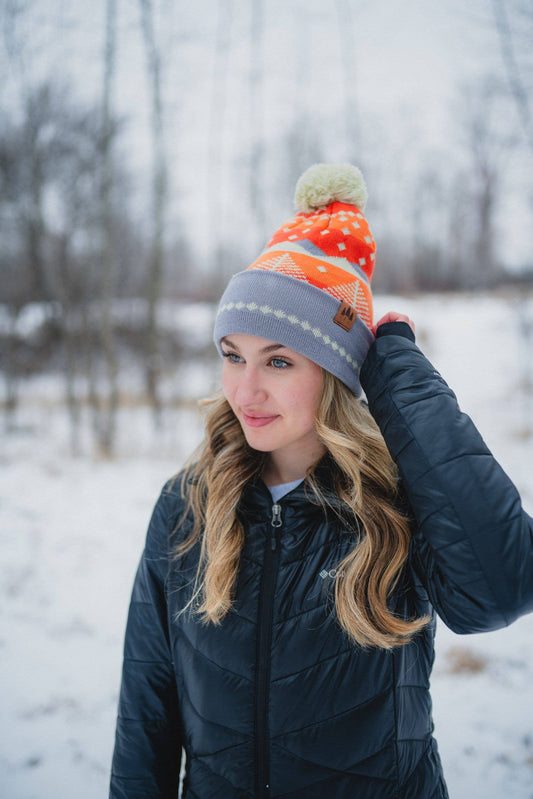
point(393, 316)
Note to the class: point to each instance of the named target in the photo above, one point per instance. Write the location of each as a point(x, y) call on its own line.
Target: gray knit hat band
point(296, 314)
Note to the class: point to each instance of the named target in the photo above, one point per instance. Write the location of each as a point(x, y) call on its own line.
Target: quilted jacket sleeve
point(472, 542)
point(146, 760)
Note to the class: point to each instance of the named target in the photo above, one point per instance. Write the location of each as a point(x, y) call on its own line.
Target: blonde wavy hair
point(365, 480)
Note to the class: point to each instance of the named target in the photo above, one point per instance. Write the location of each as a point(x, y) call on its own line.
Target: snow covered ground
point(71, 532)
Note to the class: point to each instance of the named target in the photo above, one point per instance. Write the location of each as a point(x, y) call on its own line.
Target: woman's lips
point(257, 421)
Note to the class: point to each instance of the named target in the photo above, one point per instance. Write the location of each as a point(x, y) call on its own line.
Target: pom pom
point(323, 184)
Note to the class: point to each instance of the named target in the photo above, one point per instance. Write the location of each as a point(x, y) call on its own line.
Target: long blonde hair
point(365, 481)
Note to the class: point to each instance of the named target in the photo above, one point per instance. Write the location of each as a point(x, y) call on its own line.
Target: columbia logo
point(332, 573)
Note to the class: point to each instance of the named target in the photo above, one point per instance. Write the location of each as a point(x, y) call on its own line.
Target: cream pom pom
point(323, 184)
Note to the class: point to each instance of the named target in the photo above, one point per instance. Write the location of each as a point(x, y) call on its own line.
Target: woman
point(282, 618)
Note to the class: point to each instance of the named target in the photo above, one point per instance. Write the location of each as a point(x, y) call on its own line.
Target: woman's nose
point(250, 387)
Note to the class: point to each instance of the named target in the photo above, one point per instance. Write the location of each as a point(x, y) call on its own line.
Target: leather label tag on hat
point(345, 316)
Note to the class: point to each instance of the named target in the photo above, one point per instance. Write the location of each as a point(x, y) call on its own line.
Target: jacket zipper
point(264, 643)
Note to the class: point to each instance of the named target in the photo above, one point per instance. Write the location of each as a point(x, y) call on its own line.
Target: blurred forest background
point(148, 149)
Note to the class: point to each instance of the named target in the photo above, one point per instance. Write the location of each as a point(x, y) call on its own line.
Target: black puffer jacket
point(275, 702)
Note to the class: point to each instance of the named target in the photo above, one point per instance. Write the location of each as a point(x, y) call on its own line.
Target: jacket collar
point(256, 501)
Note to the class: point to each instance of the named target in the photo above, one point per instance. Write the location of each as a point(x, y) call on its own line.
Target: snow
point(72, 530)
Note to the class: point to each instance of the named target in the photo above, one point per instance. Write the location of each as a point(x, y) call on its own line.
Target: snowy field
point(71, 532)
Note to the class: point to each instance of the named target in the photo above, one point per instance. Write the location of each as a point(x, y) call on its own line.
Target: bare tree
point(29, 152)
point(459, 209)
point(426, 209)
point(75, 266)
point(105, 407)
point(257, 154)
point(489, 137)
point(159, 201)
point(515, 77)
point(49, 155)
point(303, 144)
point(217, 107)
point(348, 52)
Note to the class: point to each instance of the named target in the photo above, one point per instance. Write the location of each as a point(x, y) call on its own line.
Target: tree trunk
point(257, 186)
point(159, 189)
point(347, 42)
point(108, 404)
point(215, 194)
point(10, 373)
point(516, 83)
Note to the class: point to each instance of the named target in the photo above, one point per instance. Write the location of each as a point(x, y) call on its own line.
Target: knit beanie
point(310, 288)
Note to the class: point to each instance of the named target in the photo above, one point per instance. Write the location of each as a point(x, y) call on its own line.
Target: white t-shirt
point(280, 490)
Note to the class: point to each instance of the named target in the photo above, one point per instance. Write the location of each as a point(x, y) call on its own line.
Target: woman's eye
point(279, 363)
point(232, 357)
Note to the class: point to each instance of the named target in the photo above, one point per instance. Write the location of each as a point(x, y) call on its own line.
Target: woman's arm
point(472, 541)
point(146, 760)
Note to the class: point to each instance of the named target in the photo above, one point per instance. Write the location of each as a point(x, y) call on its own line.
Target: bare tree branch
point(514, 77)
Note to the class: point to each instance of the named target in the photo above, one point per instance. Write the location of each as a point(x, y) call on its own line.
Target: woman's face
point(274, 392)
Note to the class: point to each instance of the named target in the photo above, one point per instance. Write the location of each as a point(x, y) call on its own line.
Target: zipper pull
point(275, 522)
point(276, 515)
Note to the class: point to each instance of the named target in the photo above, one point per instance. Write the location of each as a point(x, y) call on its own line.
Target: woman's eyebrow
point(226, 340)
point(268, 348)
point(272, 347)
